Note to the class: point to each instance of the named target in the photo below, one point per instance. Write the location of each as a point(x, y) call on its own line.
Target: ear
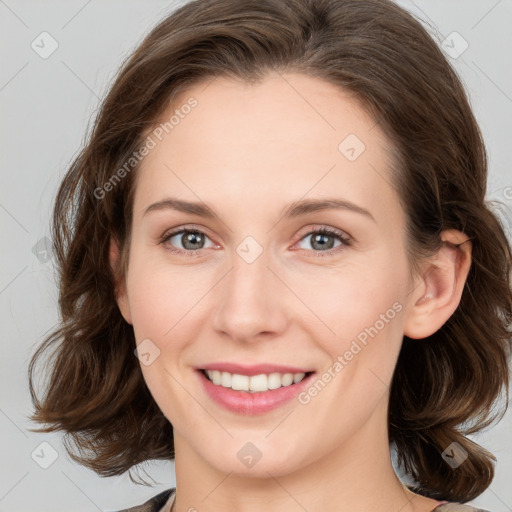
point(120, 281)
point(438, 289)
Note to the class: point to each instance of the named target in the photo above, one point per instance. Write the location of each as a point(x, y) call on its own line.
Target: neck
point(355, 476)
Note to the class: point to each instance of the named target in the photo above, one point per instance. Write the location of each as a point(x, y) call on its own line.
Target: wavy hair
point(444, 387)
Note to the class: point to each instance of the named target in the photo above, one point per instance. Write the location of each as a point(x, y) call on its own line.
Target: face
point(262, 280)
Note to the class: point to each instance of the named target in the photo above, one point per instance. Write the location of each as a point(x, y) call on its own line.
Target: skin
point(248, 151)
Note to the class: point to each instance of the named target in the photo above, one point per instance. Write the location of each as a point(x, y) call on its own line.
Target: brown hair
point(445, 386)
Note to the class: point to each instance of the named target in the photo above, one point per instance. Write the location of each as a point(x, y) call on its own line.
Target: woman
point(281, 208)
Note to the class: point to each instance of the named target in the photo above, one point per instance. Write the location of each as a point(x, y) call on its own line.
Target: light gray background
point(46, 107)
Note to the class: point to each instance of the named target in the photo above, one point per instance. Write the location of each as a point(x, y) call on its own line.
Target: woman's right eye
point(190, 240)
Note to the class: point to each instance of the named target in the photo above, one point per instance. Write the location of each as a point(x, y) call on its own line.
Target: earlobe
point(120, 282)
point(439, 290)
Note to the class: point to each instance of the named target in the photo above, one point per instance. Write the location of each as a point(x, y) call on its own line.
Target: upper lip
point(255, 369)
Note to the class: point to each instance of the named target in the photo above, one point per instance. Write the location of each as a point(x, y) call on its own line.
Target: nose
point(251, 301)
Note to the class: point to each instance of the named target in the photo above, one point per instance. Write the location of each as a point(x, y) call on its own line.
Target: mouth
point(255, 394)
point(260, 383)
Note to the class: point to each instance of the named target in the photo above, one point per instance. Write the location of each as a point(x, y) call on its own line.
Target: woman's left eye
point(323, 240)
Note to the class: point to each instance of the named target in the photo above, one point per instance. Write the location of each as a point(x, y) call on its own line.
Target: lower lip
point(243, 402)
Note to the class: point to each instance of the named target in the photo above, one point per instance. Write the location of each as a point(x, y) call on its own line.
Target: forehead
point(280, 139)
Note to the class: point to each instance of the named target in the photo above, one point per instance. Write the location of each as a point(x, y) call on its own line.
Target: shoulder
point(457, 507)
point(154, 504)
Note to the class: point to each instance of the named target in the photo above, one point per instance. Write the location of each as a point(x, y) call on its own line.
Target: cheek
point(164, 302)
point(364, 307)
point(161, 295)
point(354, 298)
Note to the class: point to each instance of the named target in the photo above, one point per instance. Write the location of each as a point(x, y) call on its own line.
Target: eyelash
point(346, 241)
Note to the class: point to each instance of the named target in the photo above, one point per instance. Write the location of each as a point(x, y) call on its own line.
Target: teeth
point(255, 383)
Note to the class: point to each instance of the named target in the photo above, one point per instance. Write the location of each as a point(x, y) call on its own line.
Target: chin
point(254, 459)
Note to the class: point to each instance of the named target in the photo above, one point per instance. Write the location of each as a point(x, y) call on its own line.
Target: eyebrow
point(295, 209)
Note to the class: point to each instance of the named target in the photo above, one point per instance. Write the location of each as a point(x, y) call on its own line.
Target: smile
point(255, 394)
point(255, 383)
